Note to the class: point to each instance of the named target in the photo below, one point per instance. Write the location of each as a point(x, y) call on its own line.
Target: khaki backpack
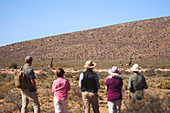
point(20, 79)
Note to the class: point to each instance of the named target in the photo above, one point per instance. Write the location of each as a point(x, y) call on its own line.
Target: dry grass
point(11, 96)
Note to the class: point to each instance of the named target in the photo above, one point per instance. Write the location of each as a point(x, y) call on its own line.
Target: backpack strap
point(25, 70)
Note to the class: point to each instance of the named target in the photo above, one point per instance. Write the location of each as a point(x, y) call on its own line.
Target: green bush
point(13, 66)
point(164, 85)
point(150, 104)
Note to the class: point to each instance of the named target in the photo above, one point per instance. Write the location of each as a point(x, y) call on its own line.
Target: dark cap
point(28, 59)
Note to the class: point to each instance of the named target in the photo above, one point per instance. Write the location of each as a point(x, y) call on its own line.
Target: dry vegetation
point(146, 41)
point(156, 97)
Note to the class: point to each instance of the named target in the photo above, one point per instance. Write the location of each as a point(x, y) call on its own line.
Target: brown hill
point(147, 41)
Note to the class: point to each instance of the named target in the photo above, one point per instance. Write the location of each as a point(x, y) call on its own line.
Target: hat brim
point(134, 69)
point(91, 66)
point(111, 73)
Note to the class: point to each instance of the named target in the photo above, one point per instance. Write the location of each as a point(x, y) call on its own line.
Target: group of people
point(89, 85)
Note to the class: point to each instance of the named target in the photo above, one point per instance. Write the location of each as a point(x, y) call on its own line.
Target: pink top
point(60, 87)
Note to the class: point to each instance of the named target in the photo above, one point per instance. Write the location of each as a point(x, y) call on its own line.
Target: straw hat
point(135, 68)
point(113, 71)
point(89, 64)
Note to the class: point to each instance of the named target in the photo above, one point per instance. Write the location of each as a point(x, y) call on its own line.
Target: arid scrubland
point(156, 96)
point(145, 42)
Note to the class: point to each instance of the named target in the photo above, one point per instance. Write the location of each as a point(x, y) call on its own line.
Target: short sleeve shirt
point(29, 74)
point(114, 89)
point(60, 87)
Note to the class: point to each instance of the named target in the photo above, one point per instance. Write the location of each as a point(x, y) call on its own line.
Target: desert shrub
point(150, 104)
point(30, 108)
point(13, 66)
point(123, 72)
point(164, 85)
point(7, 109)
point(2, 95)
point(44, 92)
point(75, 94)
point(14, 98)
point(69, 75)
point(44, 69)
point(101, 81)
point(12, 85)
point(76, 76)
point(50, 73)
point(125, 84)
point(102, 75)
point(150, 72)
point(6, 77)
point(100, 98)
point(163, 73)
point(41, 75)
point(4, 89)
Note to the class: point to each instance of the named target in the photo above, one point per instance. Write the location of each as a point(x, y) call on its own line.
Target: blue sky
point(22, 20)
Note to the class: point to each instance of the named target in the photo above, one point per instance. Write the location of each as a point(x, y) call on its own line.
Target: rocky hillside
point(146, 41)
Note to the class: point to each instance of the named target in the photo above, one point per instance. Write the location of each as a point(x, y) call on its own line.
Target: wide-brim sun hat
point(135, 67)
point(89, 64)
point(113, 71)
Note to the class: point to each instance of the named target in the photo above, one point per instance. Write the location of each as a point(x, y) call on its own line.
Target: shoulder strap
point(26, 68)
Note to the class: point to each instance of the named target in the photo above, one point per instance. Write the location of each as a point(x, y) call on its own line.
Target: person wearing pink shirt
point(60, 88)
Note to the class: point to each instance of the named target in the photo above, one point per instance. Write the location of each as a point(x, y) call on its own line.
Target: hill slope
point(147, 41)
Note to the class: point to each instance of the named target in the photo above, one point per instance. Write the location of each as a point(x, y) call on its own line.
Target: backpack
point(20, 79)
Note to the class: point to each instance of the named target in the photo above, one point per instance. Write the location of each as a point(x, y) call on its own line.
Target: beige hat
point(89, 64)
point(135, 67)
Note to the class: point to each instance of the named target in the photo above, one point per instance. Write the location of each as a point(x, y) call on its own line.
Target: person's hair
point(135, 71)
point(28, 61)
point(60, 72)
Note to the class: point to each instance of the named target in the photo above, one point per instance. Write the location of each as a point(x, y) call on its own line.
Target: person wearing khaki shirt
point(136, 84)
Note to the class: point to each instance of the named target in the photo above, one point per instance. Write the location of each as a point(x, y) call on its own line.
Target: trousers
point(27, 97)
point(60, 105)
point(114, 106)
point(90, 98)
